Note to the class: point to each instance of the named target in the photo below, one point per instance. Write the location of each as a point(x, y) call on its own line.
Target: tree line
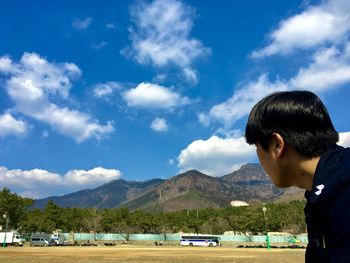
point(278, 217)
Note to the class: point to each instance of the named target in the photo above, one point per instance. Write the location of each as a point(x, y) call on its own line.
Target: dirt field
point(148, 254)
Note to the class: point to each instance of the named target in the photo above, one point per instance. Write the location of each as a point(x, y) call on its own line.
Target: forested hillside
point(280, 217)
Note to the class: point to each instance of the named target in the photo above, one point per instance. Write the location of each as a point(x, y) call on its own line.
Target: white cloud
point(328, 71)
point(344, 139)
point(242, 101)
point(317, 25)
point(105, 89)
point(38, 183)
point(34, 78)
point(6, 64)
point(73, 123)
point(161, 36)
point(216, 156)
point(34, 83)
point(148, 95)
point(330, 68)
point(159, 125)
point(32, 183)
point(10, 126)
point(81, 24)
point(90, 178)
point(98, 46)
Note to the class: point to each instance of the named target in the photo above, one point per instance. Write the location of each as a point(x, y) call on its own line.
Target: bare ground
point(136, 254)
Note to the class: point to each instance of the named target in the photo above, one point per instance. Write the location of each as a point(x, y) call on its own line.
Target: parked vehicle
point(57, 239)
point(39, 241)
point(54, 239)
point(11, 238)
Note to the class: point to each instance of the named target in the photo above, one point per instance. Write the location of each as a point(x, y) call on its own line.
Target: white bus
point(200, 240)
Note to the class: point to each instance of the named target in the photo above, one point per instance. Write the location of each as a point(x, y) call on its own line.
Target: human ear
point(278, 144)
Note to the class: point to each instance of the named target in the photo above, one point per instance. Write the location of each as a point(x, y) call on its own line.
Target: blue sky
point(92, 91)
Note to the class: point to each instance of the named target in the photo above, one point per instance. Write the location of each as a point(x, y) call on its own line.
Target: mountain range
point(189, 190)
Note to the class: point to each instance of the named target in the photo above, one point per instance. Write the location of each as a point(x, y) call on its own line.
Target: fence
point(176, 237)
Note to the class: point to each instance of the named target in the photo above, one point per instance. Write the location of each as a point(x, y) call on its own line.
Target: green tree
point(15, 208)
point(53, 217)
point(35, 222)
point(72, 219)
point(145, 222)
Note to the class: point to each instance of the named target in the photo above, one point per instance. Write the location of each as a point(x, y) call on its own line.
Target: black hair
point(299, 117)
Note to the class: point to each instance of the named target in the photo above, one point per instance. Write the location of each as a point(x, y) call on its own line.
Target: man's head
point(299, 117)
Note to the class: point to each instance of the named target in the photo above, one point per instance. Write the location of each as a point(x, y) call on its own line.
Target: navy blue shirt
point(327, 210)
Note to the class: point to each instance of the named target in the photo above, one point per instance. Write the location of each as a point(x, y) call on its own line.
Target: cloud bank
point(38, 183)
point(344, 139)
point(216, 156)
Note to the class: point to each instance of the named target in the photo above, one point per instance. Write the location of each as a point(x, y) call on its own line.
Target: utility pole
point(266, 226)
point(6, 224)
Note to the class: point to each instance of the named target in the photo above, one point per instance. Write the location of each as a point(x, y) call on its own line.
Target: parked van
point(39, 241)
